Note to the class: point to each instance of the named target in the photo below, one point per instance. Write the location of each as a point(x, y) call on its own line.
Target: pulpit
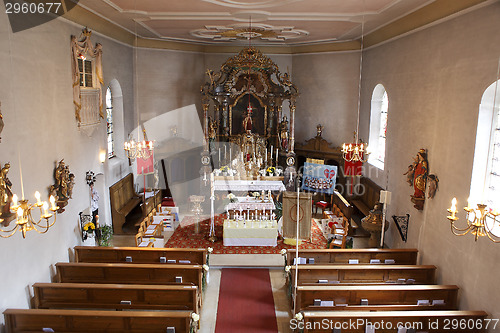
point(290, 215)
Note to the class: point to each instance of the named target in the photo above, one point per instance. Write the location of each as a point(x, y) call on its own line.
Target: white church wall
point(435, 79)
point(40, 129)
point(328, 86)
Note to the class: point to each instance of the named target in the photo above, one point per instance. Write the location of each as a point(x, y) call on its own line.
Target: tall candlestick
point(276, 156)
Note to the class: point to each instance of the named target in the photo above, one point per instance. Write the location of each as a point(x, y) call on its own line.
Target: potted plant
point(104, 234)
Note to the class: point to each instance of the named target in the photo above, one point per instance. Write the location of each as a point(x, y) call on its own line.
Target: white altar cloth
point(250, 234)
point(248, 185)
point(247, 203)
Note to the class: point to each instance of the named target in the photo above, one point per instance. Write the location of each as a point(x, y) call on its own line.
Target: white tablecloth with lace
point(248, 185)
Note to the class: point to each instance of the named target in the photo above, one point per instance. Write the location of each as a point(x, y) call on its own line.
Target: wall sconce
point(102, 156)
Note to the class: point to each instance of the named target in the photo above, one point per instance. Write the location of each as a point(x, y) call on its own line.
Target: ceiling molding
point(438, 10)
point(424, 16)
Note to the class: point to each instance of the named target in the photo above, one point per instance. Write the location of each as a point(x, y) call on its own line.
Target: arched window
point(109, 123)
point(378, 126)
point(485, 183)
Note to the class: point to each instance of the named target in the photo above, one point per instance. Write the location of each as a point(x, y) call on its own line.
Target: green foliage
point(105, 233)
point(279, 209)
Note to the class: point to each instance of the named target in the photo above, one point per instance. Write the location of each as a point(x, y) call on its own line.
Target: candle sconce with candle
point(480, 221)
point(23, 211)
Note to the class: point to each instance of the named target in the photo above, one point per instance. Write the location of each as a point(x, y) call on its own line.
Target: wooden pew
point(370, 195)
point(124, 201)
point(363, 274)
point(421, 321)
point(342, 256)
point(380, 298)
point(138, 255)
point(130, 274)
point(115, 296)
point(35, 320)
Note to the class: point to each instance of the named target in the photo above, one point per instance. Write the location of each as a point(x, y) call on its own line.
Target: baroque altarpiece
point(245, 128)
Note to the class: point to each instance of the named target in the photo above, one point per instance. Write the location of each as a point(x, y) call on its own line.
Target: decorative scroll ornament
point(1, 122)
point(243, 32)
point(90, 178)
point(402, 224)
point(80, 49)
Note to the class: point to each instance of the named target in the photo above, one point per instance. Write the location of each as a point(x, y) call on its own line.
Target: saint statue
point(5, 196)
point(284, 134)
point(247, 122)
point(420, 179)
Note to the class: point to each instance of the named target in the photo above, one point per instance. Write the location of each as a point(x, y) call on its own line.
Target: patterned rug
point(185, 237)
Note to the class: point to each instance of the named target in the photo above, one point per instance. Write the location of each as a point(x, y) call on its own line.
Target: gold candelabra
point(477, 223)
point(24, 218)
point(354, 152)
point(139, 149)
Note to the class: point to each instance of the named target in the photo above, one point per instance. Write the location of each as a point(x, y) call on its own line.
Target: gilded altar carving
point(247, 96)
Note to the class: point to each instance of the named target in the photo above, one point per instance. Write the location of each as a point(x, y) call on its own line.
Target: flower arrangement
point(270, 170)
point(89, 227)
point(224, 168)
point(231, 197)
point(104, 233)
point(256, 194)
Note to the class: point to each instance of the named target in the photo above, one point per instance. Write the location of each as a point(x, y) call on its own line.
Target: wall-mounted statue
point(1, 122)
point(62, 190)
point(5, 196)
point(420, 169)
point(433, 185)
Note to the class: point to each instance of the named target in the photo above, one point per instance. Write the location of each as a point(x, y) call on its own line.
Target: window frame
point(110, 134)
point(379, 98)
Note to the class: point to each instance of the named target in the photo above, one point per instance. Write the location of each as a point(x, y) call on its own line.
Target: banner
point(319, 178)
point(146, 166)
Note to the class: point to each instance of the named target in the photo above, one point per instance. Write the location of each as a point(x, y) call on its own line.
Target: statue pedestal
point(374, 229)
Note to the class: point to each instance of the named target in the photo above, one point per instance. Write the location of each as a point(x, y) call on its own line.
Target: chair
point(339, 232)
point(139, 242)
point(323, 205)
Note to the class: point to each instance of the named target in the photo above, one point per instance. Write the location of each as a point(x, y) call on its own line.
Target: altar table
point(250, 234)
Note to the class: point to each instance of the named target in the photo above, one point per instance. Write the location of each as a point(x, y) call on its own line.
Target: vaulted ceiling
point(272, 22)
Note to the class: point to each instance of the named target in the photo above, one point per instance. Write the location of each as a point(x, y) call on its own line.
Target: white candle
point(276, 156)
point(272, 152)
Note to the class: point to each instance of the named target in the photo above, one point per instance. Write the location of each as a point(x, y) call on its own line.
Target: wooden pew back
point(115, 296)
point(380, 298)
point(138, 256)
point(342, 256)
point(421, 321)
point(35, 320)
point(129, 273)
point(364, 274)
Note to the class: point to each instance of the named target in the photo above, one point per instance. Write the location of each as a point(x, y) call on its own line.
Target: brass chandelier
point(142, 149)
point(357, 150)
point(480, 221)
point(24, 217)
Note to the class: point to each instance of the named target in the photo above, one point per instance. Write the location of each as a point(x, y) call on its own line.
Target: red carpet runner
point(246, 303)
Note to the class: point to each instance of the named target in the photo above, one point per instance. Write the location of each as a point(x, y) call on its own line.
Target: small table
point(250, 233)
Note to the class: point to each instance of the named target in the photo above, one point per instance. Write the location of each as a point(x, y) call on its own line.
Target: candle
point(45, 207)
point(468, 203)
point(272, 152)
point(230, 154)
point(266, 155)
point(14, 200)
point(37, 196)
point(225, 152)
point(276, 156)
point(453, 208)
point(52, 202)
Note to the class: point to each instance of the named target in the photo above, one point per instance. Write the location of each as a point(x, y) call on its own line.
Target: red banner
point(145, 167)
